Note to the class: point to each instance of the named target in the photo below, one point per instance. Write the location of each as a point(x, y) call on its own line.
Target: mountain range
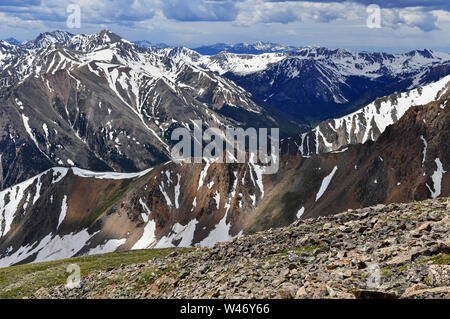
point(245, 48)
point(313, 84)
point(103, 103)
point(76, 105)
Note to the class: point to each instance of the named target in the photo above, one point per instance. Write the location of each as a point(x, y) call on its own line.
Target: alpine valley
point(85, 138)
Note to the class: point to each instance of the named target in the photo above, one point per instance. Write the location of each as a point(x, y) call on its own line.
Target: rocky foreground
point(386, 251)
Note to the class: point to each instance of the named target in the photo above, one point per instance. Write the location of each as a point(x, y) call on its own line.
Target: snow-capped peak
point(47, 38)
point(365, 124)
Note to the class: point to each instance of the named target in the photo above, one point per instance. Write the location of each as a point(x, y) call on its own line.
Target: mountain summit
point(103, 103)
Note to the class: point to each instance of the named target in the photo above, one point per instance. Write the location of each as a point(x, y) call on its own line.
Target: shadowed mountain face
point(315, 84)
point(66, 212)
point(101, 103)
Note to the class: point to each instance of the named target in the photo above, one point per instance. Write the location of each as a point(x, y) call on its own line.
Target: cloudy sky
point(403, 24)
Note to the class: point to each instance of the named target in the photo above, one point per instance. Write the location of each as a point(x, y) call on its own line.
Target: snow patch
point(107, 175)
point(300, 212)
point(108, 247)
point(148, 238)
point(147, 211)
point(437, 179)
point(63, 213)
point(185, 233)
point(326, 181)
point(424, 149)
point(221, 232)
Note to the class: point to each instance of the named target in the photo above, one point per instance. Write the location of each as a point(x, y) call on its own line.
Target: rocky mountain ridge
point(283, 77)
point(386, 251)
point(172, 205)
point(102, 103)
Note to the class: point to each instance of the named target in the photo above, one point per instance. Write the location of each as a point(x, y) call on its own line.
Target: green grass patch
point(365, 275)
point(386, 271)
point(441, 259)
point(403, 268)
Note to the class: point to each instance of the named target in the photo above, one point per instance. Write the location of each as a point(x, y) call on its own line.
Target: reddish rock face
point(199, 204)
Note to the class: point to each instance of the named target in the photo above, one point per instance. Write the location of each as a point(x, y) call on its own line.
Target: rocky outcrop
point(386, 251)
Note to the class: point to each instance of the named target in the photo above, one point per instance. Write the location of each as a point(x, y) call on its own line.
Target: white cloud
point(241, 12)
point(411, 17)
point(206, 21)
point(260, 11)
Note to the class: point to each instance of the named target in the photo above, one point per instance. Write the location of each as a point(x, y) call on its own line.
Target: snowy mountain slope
point(408, 161)
point(314, 84)
point(341, 63)
point(7, 51)
point(48, 38)
point(334, 67)
point(372, 65)
point(311, 83)
point(224, 62)
point(365, 124)
point(13, 41)
point(55, 51)
point(103, 103)
point(78, 212)
point(72, 212)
